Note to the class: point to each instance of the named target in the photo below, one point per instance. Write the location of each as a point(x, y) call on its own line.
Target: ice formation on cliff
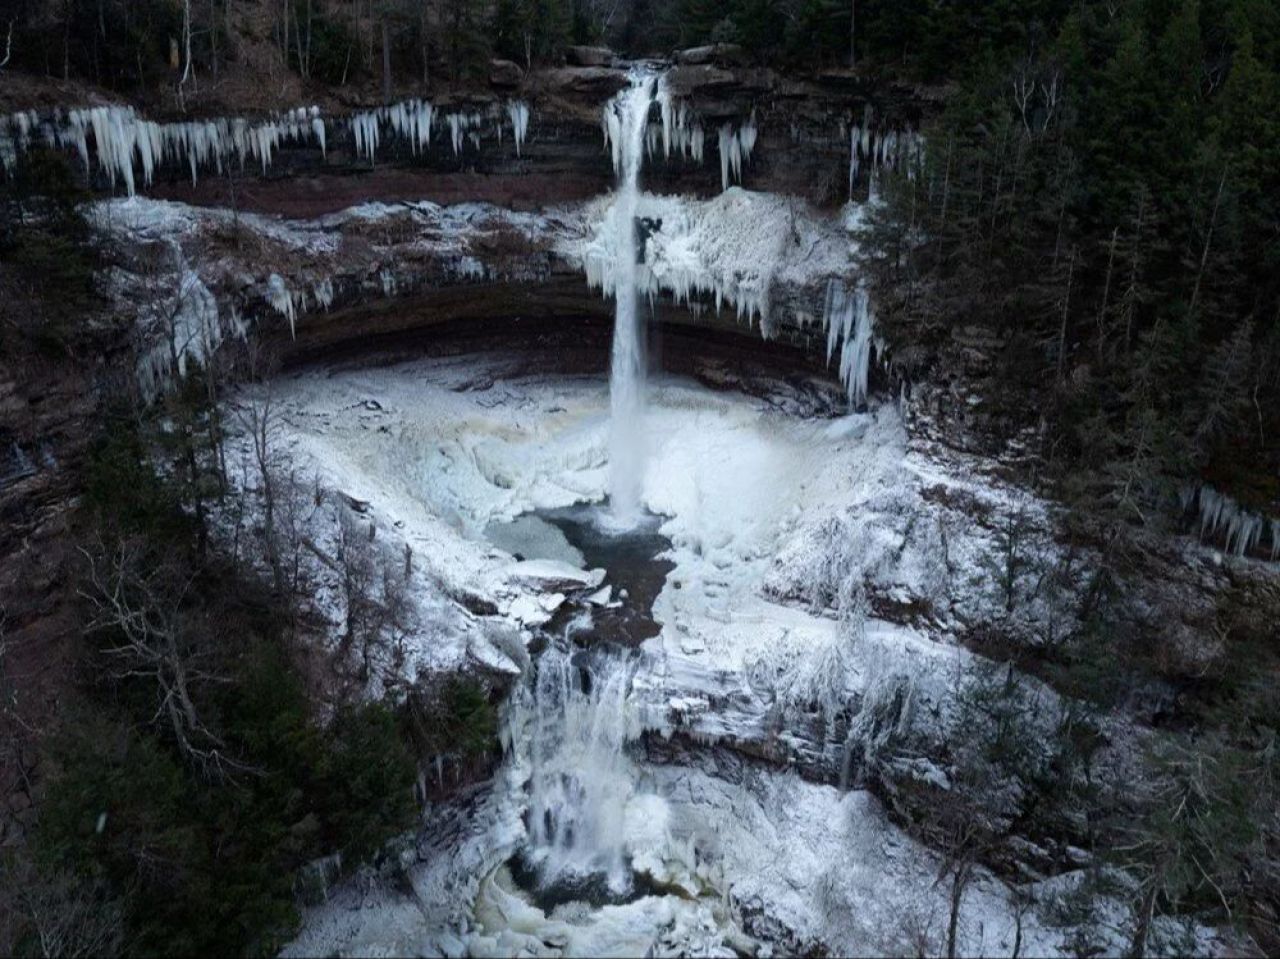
point(850, 323)
point(893, 149)
point(1242, 530)
point(735, 149)
point(732, 248)
point(283, 301)
point(127, 145)
point(175, 332)
point(129, 148)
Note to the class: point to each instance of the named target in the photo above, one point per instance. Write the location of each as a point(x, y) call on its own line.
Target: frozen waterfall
point(850, 324)
point(626, 119)
point(579, 722)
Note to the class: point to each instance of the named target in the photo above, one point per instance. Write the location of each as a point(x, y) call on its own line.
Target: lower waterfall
point(580, 776)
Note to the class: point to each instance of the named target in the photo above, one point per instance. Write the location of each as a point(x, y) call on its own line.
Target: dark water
point(630, 558)
point(593, 889)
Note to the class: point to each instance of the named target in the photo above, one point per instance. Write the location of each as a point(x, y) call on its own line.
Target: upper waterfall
point(626, 119)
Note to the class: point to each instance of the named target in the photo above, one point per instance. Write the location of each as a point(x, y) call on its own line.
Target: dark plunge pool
point(585, 536)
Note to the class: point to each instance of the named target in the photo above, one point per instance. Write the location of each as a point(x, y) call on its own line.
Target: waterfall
point(579, 722)
point(626, 119)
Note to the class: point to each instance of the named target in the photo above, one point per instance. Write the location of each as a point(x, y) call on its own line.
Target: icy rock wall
point(681, 133)
point(182, 326)
point(129, 148)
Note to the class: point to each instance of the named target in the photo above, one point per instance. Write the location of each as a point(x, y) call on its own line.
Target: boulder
point(701, 79)
point(506, 74)
point(593, 81)
point(717, 53)
point(590, 56)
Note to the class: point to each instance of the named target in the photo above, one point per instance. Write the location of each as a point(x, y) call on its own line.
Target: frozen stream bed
point(782, 530)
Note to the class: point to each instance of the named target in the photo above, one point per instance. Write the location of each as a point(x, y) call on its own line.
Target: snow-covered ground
point(783, 530)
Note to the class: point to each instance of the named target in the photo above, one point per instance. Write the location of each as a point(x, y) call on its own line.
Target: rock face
point(48, 420)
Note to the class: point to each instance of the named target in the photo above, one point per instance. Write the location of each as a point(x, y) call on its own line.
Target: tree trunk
point(213, 35)
point(1066, 309)
point(1106, 292)
point(946, 186)
point(1138, 947)
point(959, 879)
point(853, 25)
point(1208, 241)
point(426, 47)
point(386, 61)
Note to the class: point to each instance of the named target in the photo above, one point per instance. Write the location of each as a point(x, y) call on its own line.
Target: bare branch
point(141, 607)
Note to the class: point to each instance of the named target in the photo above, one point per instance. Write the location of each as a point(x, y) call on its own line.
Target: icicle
point(697, 144)
point(281, 300)
point(455, 121)
point(425, 117)
point(854, 135)
point(747, 138)
point(324, 293)
point(365, 128)
point(850, 323)
point(612, 126)
point(735, 147)
point(1242, 531)
point(518, 111)
point(318, 131)
point(667, 109)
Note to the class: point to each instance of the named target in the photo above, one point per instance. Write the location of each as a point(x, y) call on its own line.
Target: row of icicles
point(129, 148)
point(1220, 515)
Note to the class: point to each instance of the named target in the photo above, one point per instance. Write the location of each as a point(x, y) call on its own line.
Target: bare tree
point(141, 607)
point(17, 761)
point(186, 53)
point(58, 913)
point(375, 591)
point(258, 422)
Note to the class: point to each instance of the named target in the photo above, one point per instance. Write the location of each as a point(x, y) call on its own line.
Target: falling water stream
point(626, 119)
point(575, 710)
